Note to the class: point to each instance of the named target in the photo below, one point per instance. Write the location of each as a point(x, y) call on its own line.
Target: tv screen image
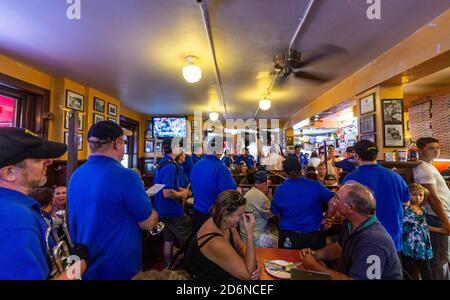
point(170, 126)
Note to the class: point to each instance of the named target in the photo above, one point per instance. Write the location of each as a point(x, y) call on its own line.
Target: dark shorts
point(198, 218)
point(314, 240)
point(177, 229)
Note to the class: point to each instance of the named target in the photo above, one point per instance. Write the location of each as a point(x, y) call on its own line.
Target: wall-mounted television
point(170, 126)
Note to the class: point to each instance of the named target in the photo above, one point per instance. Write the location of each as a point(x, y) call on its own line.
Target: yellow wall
point(58, 87)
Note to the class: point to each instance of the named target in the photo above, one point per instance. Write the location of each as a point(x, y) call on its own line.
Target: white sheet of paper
point(154, 189)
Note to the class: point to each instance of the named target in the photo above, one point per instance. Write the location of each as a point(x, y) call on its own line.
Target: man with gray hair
point(364, 247)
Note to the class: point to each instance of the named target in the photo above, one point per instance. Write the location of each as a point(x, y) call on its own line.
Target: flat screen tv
point(170, 126)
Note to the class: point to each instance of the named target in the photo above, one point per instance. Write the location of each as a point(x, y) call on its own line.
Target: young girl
point(417, 251)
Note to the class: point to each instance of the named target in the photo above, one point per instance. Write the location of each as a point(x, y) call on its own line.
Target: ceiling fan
point(291, 61)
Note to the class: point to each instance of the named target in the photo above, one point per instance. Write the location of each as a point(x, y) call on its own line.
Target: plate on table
point(278, 273)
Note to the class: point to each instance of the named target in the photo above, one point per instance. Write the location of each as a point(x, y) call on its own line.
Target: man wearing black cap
point(24, 159)
point(168, 202)
point(247, 158)
point(258, 202)
point(108, 206)
point(391, 191)
point(299, 202)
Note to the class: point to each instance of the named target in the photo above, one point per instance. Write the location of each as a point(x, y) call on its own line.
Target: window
point(8, 111)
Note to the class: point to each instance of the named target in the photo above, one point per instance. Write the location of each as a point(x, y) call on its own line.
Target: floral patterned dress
point(416, 235)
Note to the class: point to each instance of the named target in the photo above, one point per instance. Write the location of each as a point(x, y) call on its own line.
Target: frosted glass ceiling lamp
point(192, 72)
point(265, 104)
point(214, 116)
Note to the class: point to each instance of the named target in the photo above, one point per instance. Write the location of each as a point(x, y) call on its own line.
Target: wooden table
point(290, 255)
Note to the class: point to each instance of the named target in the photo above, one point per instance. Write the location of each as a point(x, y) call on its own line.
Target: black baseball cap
point(260, 177)
point(105, 131)
point(292, 165)
point(18, 144)
point(367, 150)
point(350, 149)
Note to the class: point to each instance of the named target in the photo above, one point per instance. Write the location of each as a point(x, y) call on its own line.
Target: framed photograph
point(112, 110)
point(148, 146)
point(369, 137)
point(158, 146)
point(79, 137)
point(393, 135)
point(74, 100)
point(99, 105)
point(367, 124)
point(98, 118)
point(112, 119)
point(367, 104)
point(80, 121)
point(392, 111)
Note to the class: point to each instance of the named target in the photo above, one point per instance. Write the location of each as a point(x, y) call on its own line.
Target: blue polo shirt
point(209, 178)
point(23, 254)
point(302, 158)
point(169, 175)
point(196, 158)
point(226, 161)
point(390, 192)
point(347, 165)
point(106, 202)
point(299, 202)
point(360, 246)
point(187, 165)
point(248, 160)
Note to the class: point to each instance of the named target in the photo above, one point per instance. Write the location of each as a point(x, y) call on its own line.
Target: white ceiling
point(134, 49)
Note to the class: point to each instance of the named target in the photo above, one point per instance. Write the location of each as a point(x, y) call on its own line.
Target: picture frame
point(158, 146)
point(148, 147)
point(79, 137)
point(99, 105)
point(98, 118)
point(74, 100)
point(80, 121)
point(393, 136)
point(112, 110)
point(367, 124)
point(367, 104)
point(369, 137)
point(392, 111)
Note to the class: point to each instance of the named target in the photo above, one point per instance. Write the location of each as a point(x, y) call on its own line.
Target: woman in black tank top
point(217, 252)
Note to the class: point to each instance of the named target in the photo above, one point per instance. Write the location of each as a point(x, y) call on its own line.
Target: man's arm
point(173, 194)
point(437, 207)
point(150, 222)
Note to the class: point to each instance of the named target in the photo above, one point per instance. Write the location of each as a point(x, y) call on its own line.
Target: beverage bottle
point(287, 243)
point(412, 152)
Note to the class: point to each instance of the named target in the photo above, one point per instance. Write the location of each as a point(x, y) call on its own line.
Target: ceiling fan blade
point(326, 50)
point(312, 77)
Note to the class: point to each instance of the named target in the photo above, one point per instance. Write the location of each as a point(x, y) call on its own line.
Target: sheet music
point(154, 189)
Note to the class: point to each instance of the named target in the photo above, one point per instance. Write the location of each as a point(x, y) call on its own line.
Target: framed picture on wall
point(367, 124)
point(158, 146)
point(80, 121)
point(74, 100)
point(79, 139)
point(112, 109)
point(393, 135)
point(99, 105)
point(392, 111)
point(149, 146)
point(369, 137)
point(367, 104)
point(98, 118)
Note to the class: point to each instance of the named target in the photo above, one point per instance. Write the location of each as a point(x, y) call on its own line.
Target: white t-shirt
point(314, 161)
point(259, 204)
point(426, 173)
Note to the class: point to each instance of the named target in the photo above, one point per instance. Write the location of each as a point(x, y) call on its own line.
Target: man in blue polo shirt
point(209, 178)
point(247, 158)
point(168, 200)
point(391, 191)
point(299, 202)
point(301, 157)
point(364, 248)
point(108, 207)
point(24, 159)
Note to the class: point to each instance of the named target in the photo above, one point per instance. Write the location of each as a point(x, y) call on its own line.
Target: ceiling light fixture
point(192, 72)
point(213, 116)
point(265, 104)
